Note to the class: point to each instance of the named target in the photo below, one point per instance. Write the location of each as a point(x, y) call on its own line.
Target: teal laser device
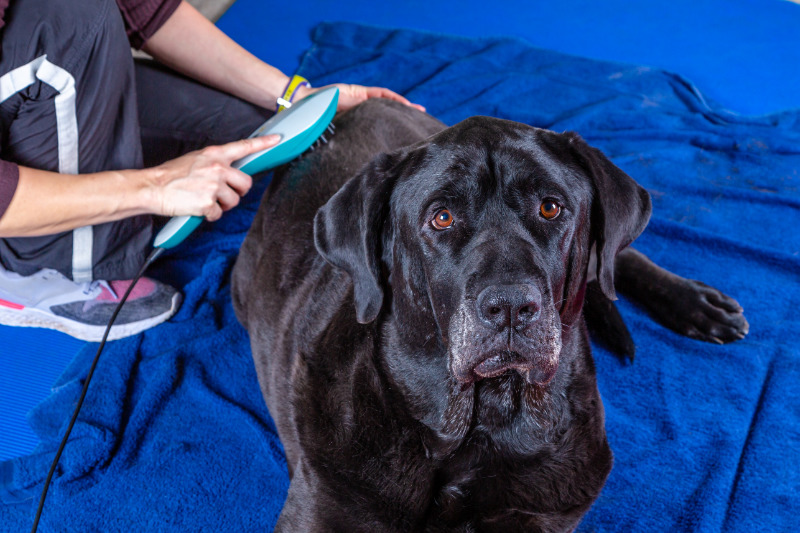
point(299, 127)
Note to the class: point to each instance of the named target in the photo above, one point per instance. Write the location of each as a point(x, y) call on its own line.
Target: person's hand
point(202, 182)
point(352, 95)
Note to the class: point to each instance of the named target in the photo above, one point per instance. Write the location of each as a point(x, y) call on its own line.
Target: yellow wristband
point(285, 101)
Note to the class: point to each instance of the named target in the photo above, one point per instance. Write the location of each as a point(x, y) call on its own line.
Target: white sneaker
point(48, 299)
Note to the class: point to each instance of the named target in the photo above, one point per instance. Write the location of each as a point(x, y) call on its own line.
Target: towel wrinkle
point(740, 467)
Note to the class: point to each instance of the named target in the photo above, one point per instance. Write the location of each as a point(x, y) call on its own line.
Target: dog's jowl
point(414, 298)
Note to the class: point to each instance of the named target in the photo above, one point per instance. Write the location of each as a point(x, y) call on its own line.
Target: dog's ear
point(620, 209)
point(348, 229)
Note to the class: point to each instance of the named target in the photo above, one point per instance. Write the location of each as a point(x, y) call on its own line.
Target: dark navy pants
point(73, 100)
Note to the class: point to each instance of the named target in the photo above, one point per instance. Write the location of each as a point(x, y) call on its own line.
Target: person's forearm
point(192, 45)
point(47, 202)
point(200, 183)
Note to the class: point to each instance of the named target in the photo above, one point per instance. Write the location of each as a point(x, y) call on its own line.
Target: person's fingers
point(227, 198)
point(213, 213)
point(238, 149)
point(239, 181)
point(352, 95)
point(382, 92)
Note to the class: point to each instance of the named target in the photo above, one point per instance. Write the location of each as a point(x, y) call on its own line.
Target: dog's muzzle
point(506, 328)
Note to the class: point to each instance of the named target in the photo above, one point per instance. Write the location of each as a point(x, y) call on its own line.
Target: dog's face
point(496, 223)
point(484, 232)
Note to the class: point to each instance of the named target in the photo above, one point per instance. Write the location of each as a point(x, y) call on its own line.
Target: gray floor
point(212, 9)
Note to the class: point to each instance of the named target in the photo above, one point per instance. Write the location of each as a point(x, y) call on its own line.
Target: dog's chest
point(477, 482)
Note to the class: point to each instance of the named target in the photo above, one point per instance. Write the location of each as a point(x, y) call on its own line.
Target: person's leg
point(90, 94)
point(178, 115)
point(68, 104)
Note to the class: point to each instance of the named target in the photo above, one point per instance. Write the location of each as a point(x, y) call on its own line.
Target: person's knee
point(69, 32)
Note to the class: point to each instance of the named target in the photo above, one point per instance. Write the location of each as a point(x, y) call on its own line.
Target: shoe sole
point(31, 317)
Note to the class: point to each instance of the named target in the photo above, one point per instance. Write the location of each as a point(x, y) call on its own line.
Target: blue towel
point(174, 434)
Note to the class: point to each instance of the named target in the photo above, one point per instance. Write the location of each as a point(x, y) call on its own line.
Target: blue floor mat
point(30, 362)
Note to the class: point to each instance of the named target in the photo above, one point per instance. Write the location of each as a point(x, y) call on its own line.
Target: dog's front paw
point(701, 312)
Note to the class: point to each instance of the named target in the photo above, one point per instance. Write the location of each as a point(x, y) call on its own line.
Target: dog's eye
point(549, 209)
point(442, 220)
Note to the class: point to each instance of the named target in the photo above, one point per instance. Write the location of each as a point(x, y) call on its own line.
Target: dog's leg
point(606, 324)
point(302, 510)
point(686, 306)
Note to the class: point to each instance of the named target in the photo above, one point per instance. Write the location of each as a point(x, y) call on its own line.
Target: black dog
point(418, 329)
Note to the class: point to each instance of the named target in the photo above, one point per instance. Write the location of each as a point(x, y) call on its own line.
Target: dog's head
point(480, 238)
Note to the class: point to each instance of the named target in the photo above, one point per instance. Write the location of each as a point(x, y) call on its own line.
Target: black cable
point(152, 257)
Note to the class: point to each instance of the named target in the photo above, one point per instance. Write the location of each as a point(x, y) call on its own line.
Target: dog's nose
point(503, 306)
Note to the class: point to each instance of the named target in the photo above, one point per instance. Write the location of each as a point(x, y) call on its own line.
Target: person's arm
point(192, 45)
point(199, 183)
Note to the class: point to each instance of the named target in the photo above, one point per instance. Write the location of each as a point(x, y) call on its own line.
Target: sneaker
point(48, 299)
